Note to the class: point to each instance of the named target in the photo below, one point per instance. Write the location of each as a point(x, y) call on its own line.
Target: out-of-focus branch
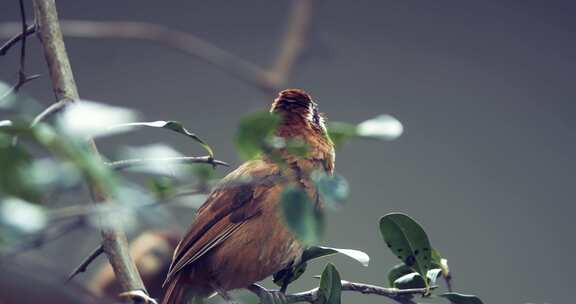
point(86, 262)
point(403, 296)
point(114, 240)
point(267, 80)
point(22, 78)
point(127, 163)
point(295, 38)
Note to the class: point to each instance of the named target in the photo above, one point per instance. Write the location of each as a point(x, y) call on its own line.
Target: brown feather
point(238, 236)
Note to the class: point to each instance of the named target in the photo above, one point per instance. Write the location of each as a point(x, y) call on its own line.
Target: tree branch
point(127, 163)
point(295, 38)
point(114, 240)
point(403, 296)
point(267, 80)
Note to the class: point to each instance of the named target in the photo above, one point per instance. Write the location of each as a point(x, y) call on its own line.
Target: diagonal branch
point(86, 262)
point(127, 163)
point(267, 80)
point(114, 239)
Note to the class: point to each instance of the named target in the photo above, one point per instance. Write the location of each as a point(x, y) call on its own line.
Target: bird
point(239, 236)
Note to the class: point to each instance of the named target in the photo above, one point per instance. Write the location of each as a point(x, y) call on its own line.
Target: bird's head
point(298, 110)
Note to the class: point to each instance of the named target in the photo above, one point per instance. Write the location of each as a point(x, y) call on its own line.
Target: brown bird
point(238, 236)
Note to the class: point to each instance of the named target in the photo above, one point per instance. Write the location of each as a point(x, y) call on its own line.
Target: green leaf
point(315, 252)
point(254, 132)
point(397, 272)
point(13, 180)
point(301, 216)
point(86, 119)
point(383, 127)
point(457, 298)
point(291, 274)
point(333, 189)
point(407, 240)
point(175, 126)
point(415, 280)
point(340, 132)
point(288, 275)
point(330, 290)
point(21, 217)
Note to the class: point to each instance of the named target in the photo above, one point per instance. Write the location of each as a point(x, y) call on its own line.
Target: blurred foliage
point(54, 158)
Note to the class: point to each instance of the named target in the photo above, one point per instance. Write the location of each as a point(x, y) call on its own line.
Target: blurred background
point(484, 90)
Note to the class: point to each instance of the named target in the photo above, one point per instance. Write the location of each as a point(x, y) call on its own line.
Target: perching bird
point(238, 236)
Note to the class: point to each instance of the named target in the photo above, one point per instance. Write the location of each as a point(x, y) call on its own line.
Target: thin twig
point(12, 41)
point(114, 242)
point(403, 296)
point(86, 262)
point(127, 163)
point(21, 37)
point(51, 110)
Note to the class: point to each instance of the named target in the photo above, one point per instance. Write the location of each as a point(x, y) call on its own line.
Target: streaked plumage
point(238, 237)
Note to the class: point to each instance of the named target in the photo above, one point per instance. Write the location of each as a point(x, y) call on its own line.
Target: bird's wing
point(226, 209)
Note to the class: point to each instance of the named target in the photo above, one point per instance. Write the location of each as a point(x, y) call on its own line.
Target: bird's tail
point(178, 291)
point(175, 292)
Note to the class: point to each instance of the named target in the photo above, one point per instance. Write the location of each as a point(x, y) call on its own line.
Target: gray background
point(484, 89)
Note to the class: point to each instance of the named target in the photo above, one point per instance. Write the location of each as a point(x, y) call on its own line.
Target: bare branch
point(269, 81)
point(86, 262)
point(114, 240)
point(295, 38)
point(12, 41)
point(403, 296)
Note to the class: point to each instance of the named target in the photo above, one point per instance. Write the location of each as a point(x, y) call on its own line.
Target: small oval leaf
point(320, 251)
point(254, 132)
point(330, 290)
point(175, 126)
point(301, 216)
point(407, 240)
point(333, 189)
point(385, 127)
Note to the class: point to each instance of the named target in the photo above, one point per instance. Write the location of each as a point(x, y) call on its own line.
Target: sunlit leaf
point(414, 279)
point(457, 298)
point(7, 97)
point(330, 291)
point(21, 216)
point(315, 252)
point(397, 272)
point(301, 216)
point(333, 189)
point(86, 119)
point(384, 127)
point(46, 174)
point(254, 132)
point(175, 126)
point(407, 240)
